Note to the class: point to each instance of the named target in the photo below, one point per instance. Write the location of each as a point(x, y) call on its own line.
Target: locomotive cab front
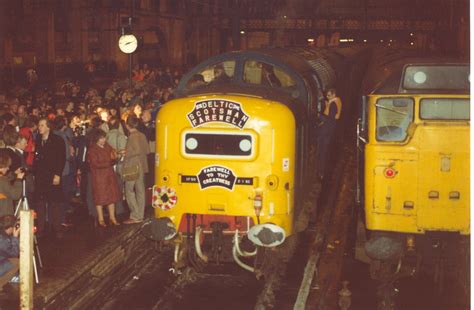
point(231, 172)
point(416, 164)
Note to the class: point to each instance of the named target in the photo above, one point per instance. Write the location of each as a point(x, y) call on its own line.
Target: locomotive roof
point(299, 63)
point(405, 72)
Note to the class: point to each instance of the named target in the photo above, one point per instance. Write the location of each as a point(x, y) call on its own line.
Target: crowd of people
point(68, 147)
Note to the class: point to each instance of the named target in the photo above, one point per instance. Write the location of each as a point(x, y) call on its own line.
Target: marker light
point(389, 172)
point(419, 77)
point(245, 145)
point(191, 143)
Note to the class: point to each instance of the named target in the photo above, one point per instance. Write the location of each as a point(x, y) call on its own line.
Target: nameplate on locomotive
point(218, 110)
point(216, 176)
point(194, 179)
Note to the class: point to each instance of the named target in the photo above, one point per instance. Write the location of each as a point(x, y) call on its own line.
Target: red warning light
point(389, 172)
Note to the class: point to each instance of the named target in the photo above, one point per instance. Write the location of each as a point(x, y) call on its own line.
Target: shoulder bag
point(130, 172)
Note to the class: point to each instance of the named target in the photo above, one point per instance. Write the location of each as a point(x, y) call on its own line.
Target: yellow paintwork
point(273, 127)
point(418, 161)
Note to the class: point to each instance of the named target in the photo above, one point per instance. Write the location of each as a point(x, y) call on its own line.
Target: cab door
point(395, 157)
point(391, 160)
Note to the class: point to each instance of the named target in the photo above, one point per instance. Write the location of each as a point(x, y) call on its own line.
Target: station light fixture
point(411, 34)
point(310, 40)
point(412, 43)
point(346, 40)
point(242, 32)
point(365, 40)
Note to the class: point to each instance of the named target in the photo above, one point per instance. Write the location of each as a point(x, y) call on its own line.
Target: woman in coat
point(118, 141)
point(105, 189)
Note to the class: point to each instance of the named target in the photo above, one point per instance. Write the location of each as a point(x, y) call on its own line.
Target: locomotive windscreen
point(439, 77)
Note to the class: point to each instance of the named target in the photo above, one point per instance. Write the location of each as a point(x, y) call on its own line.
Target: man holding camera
point(9, 248)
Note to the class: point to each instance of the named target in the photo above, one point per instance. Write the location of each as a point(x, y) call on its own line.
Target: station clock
point(128, 43)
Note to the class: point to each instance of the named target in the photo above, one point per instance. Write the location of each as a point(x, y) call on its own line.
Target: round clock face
point(128, 43)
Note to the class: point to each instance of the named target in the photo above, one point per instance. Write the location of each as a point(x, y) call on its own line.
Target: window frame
point(275, 67)
point(404, 85)
point(413, 101)
point(214, 65)
point(443, 119)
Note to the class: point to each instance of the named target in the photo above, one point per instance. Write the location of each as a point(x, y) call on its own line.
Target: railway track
point(322, 276)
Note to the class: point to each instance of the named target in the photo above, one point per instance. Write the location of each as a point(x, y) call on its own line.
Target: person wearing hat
point(9, 248)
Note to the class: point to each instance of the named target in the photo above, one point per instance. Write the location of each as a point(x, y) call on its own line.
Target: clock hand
point(128, 43)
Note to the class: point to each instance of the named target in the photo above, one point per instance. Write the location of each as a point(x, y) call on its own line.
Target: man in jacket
point(48, 166)
point(136, 154)
point(330, 118)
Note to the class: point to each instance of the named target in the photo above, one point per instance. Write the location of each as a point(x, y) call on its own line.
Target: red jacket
point(30, 146)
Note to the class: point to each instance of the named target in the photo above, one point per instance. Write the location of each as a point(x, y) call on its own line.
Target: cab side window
point(394, 115)
point(261, 73)
point(222, 72)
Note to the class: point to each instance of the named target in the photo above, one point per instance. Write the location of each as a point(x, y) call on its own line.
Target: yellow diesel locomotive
point(232, 152)
point(414, 141)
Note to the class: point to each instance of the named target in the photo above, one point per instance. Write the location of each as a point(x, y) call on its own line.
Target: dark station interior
point(235, 154)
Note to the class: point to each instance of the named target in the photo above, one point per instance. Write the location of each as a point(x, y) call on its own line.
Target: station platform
point(83, 260)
